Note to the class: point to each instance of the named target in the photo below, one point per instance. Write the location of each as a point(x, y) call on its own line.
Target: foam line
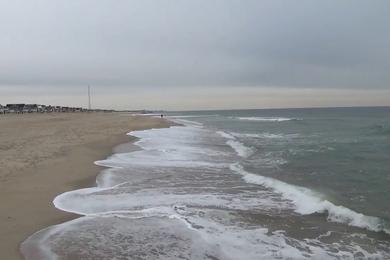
point(239, 147)
point(307, 202)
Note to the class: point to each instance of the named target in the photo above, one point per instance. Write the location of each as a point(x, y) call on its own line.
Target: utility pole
point(89, 97)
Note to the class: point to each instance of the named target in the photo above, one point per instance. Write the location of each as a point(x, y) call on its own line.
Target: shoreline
point(26, 194)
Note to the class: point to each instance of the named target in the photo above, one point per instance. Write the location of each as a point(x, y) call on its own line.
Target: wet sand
point(43, 155)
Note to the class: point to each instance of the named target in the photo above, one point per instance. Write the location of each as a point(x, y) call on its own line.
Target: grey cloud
point(334, 44)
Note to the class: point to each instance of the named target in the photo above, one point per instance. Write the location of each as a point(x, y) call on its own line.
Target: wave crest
point(240, 148)
point(308, 202)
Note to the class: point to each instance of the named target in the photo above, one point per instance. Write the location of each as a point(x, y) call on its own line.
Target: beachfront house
point(25, 109)
point(30, 108)
point(15, 108)
point(35, 108)
point(49, 109)
point(3, 109)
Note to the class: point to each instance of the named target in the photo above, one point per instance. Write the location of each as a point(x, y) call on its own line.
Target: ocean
point(238, 184)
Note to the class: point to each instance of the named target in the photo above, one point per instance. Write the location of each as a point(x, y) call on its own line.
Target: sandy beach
point(43, 155)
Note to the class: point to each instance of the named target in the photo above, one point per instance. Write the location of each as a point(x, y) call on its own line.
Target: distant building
point(36, 108)
point(30, 108)
point(15, 108)
point(41, 108)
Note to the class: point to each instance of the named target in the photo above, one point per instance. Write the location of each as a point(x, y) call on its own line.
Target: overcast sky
point(196, 54)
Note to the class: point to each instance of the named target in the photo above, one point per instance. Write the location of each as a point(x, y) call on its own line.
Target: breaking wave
point(241, 149)
point(307, 202)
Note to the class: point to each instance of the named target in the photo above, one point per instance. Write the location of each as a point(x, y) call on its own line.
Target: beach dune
point(43, 155)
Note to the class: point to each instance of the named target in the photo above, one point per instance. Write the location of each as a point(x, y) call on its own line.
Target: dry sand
point(43, 155)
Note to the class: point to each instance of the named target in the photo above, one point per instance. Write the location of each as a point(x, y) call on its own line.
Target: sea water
point(240, 184)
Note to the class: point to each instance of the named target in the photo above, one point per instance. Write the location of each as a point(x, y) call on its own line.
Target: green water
point(342, 153)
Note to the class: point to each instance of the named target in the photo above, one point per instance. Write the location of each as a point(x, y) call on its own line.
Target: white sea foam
point(240, 148)
point(93, 201)
point(159, 159)
point(261, 243)
point(97, 201)
point(225, 135)
point(267, 119)
point(307, 201)
point(154, 193)
point(194, 234)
